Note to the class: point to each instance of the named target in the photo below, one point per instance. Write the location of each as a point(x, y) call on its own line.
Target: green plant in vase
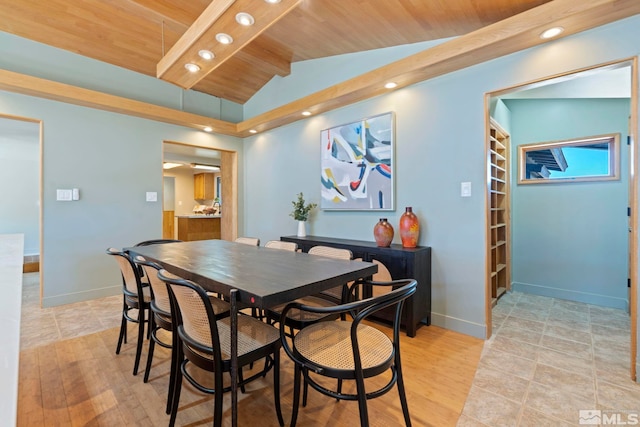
point(301, 211)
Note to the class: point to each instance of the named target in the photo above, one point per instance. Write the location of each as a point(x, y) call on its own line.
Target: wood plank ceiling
point(136, 34)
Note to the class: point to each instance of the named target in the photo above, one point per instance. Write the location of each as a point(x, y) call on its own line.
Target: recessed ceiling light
point(253, 131)
point(224, 38)
point(272, 1)
point(206, 54)
point(207, 129)
point(551, 32)
point(243, 18)
point(306, 113)
point(193, 68)
point(391, 85)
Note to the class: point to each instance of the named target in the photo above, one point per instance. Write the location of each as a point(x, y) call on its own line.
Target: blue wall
point(440, 135)
point(570, 240)
point(440, 142)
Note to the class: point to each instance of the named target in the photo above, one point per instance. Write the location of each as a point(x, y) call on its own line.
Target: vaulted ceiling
point(157, 37)
point(137, 34)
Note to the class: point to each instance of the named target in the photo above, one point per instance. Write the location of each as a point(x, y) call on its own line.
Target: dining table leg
point(234, 356)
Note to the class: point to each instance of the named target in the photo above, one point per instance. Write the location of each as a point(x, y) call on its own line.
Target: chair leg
point(241, 380)
point(217, 401)
point(362, 401)
point(175, 343)
point(140, 340)
point(276, 385)
point(152, 344)
point(296, 394)
point(123, 333)
point(305, 390)
point(175, 399)
point(403, 396)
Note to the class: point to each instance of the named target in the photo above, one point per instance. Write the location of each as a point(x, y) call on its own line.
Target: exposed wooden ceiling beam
point(34, 86)
point(505, 37)
point(218, 17)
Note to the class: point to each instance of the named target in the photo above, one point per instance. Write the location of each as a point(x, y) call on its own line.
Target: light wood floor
point(81, 382)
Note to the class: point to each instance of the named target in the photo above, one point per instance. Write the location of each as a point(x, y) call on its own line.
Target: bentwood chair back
point(204, 341)
point(350, 350)
point(251, 241)
point(334, 294)
point(280, 244)
point(136, 296)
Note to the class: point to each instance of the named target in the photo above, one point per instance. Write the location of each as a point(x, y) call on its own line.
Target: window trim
point(613, 139)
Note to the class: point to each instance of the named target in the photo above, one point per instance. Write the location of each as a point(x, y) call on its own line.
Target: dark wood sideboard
point(401, 262)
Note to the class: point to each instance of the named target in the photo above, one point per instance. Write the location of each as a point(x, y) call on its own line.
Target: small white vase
point(302, 229)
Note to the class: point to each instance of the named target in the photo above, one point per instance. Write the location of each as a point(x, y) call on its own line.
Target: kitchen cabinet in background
point(203, 186)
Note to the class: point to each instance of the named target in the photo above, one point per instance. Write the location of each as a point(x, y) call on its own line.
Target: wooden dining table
point(251, 276)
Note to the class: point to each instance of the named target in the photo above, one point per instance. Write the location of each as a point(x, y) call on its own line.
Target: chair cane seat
point(328, 344)
point(253, 334)
point(219, 306)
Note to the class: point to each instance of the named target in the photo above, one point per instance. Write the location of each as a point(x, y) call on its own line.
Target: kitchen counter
point(198, 227)
point(11, 259)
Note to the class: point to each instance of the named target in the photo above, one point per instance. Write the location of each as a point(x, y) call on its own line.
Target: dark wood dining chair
point(204, 341)
point(298, 320)
point(136, 295)
point(350, 350)
point(251, 241)
point(160, 318)
point(281, 244)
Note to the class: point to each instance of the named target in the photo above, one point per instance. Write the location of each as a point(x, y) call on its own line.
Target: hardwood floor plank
point(83, 382)
point(29, 390)
point(54, 402)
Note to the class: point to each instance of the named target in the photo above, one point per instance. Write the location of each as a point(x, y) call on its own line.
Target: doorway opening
point(21, 186)
point(572, 240)
point(199, 192)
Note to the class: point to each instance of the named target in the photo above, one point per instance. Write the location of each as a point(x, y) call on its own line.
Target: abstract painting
point(357, 165)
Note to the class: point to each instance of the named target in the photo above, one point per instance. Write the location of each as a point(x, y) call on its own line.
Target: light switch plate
point(63, 195)
point(465, 189)
point(152, 196)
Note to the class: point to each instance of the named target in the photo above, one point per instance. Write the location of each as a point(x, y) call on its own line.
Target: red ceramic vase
point(409, 229)
point(383, 233)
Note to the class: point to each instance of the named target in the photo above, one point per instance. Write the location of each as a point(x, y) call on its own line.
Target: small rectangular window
point(595, 158)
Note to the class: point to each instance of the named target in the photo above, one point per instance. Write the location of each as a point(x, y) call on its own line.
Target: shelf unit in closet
point(498, 223)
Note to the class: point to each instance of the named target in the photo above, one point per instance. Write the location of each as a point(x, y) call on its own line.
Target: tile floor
point(547, 360)
point(40, 326)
